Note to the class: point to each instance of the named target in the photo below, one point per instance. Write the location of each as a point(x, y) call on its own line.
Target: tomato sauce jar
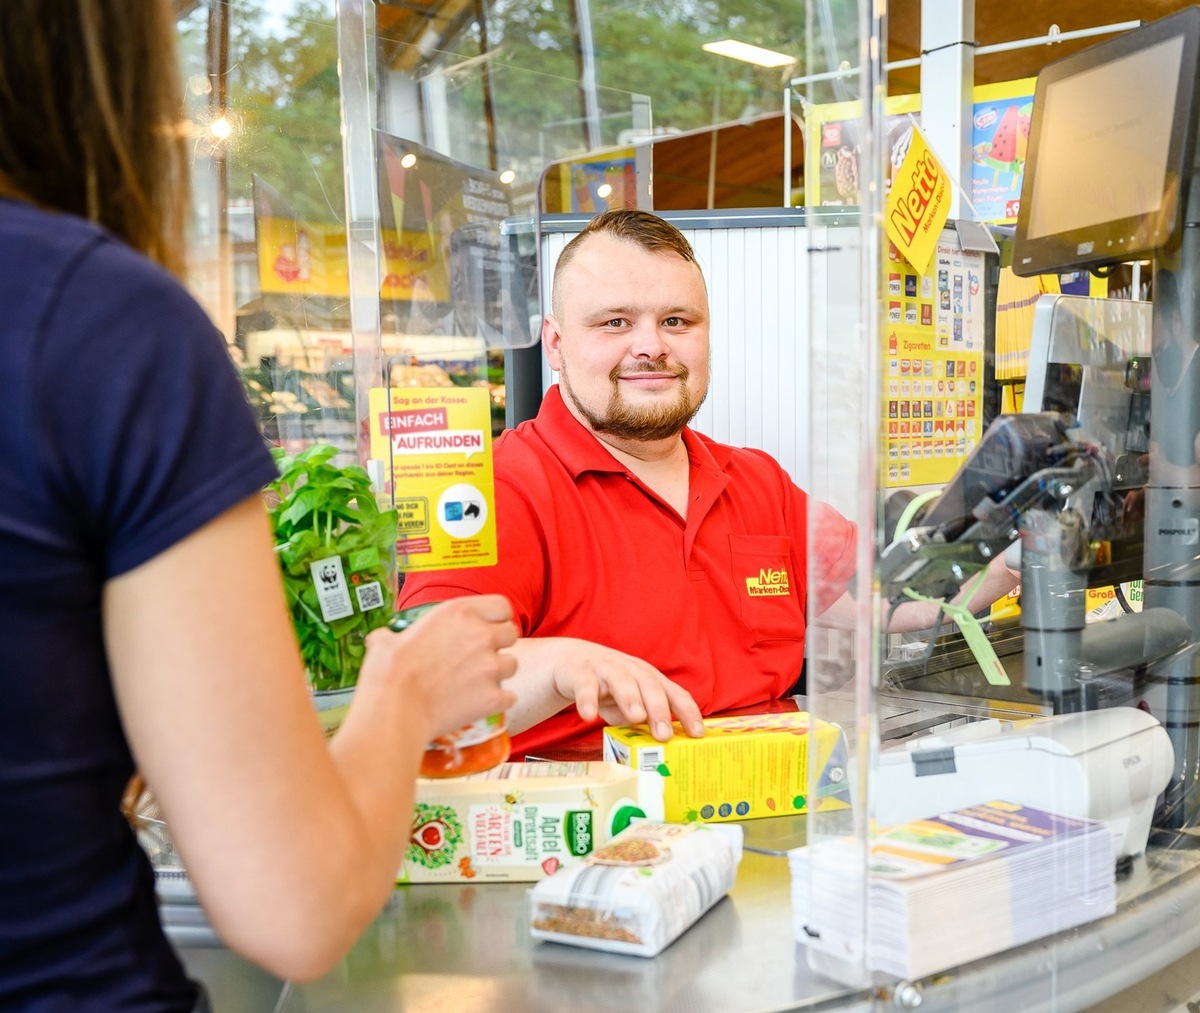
point(481, 745)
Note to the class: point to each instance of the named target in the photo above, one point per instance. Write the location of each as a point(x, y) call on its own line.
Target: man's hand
point(601, 682)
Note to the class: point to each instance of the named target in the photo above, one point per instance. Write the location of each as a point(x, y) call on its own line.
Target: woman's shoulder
point(40, 239)
point(47, 248)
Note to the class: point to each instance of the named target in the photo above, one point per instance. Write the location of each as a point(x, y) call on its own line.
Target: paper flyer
point(436, 447)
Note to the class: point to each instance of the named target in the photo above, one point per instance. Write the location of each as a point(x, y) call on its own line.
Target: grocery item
point(470, 749)
point(336, 552)
point(641, 891)
point(743, 767)
point(521, 822)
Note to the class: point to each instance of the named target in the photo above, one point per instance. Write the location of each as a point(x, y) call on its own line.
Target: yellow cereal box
point(743, 768)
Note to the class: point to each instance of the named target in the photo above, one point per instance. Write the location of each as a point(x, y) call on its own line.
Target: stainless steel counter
point(448, 948)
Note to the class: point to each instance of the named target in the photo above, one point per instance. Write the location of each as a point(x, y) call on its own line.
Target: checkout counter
point(468, 947)
point(465, 947)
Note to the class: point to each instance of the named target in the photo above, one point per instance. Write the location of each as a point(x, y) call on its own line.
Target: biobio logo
point(579, 832)
point(768, 582)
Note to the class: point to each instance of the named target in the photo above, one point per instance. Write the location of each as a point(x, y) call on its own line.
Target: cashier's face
point(629, 339)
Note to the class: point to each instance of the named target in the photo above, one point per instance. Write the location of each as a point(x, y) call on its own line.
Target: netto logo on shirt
point(768, 582)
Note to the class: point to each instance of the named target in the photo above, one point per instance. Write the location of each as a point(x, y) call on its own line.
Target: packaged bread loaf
point(640, 891)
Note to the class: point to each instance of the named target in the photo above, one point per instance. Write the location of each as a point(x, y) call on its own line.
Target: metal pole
point(363, 239)
point(586, 52)
point(1049, 39)
point(1172, 525)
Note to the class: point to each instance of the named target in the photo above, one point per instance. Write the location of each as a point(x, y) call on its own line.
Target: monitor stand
point(1172, 529)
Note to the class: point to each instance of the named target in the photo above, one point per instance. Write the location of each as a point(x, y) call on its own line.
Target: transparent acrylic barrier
point(312, 319)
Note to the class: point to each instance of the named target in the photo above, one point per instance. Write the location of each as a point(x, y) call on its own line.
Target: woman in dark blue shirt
point(142, 619)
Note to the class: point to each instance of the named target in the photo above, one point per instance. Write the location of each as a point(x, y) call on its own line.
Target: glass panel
point(415, 247)
point(621, 105)
point(268, 253)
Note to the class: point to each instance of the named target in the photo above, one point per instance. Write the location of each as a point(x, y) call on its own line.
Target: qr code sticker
point(370, 596)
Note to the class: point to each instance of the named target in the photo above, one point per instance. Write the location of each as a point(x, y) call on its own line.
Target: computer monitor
point(1110, 148)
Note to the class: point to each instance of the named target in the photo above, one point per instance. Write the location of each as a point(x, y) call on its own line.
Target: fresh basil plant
point(336, 550)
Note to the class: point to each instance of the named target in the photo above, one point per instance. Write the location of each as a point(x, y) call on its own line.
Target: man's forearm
point(911, 616)
point(996, 582)
point(537, 698)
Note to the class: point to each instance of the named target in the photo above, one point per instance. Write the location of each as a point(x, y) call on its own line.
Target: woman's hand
point(451, 661)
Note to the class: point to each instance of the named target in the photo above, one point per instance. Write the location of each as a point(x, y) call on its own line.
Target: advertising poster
point(297, 257)
point(831, 175)
point(999, 139)
point(934, 344)
point(449, 267)
point(598, 186)
point(436, 446)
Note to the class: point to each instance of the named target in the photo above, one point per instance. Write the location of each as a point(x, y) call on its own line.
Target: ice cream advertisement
point(999, 140)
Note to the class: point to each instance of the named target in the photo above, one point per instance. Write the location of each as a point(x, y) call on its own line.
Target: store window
point(484, 97)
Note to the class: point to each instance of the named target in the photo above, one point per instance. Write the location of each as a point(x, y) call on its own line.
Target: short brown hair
point(646, 229)
point(91, 115)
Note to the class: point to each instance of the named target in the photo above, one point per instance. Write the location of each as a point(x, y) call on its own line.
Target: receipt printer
point(1109, 764)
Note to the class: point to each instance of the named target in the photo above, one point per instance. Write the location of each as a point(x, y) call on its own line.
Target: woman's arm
point(293, 844)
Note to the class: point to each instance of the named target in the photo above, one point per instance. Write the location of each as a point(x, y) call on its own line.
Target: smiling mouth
point(651, 375)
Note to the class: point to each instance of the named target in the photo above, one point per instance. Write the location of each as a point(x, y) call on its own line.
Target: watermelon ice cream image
point(1023, 115)
point(1005, 152)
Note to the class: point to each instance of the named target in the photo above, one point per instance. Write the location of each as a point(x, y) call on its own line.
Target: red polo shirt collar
point(581, 451)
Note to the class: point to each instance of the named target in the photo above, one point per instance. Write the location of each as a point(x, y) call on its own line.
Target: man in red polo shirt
point(652, 571)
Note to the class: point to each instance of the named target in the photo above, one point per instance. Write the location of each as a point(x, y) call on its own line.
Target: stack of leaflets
point(954, 888)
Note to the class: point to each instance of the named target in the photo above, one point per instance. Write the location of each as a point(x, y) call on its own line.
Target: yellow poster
point(934, 336)
point(436, 445)
point(918, 204)
point(302, 258)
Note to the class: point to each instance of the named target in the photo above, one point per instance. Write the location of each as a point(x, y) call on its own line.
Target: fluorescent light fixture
point(749, 54)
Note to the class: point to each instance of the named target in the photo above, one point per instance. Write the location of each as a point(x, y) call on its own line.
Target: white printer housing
point(1109, 764)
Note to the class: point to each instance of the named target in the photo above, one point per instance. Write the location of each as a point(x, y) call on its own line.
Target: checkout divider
point(467, 946)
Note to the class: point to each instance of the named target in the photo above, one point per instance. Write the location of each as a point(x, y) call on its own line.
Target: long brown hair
point(91, 116)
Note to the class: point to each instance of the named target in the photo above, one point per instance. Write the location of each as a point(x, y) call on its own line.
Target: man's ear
point(552, 341)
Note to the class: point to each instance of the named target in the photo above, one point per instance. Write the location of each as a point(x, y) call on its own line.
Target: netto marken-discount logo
point(768, 582)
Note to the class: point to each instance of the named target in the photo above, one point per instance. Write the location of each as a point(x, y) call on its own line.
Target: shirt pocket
point(767, 590)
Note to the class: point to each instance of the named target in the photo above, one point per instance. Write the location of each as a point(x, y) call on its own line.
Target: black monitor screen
point(1110, 138)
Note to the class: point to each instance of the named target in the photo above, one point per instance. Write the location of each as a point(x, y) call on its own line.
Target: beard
point(647, 423)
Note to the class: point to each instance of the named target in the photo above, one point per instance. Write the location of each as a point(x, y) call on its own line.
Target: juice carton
point(743, 768)
point(520, 822)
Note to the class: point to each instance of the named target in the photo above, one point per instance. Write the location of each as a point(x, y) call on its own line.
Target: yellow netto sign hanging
point(918, 204)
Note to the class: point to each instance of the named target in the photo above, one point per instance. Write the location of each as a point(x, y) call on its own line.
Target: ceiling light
point(749, 54)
